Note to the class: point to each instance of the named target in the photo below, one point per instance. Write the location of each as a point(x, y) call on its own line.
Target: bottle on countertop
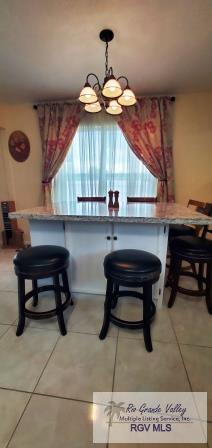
point(110, 203)
point(116, 202)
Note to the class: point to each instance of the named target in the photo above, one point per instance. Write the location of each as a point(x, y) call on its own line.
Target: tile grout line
point(184, 365)
point(16, 426)
point(46, 363)
point(31, 395)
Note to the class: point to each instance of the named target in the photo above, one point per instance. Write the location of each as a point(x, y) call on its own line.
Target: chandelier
point(112, 96)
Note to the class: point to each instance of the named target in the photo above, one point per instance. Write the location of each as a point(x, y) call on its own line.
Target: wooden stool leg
point(147, 292)
point(66, 286)
point(115, 295)
point(35, 296)
point(58, 302)
point(21, 306)
point(209, 287)
point(107, 308)
point(176, 274)
point(200, 275)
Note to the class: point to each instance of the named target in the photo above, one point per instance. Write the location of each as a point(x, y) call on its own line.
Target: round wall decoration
point(19, 146)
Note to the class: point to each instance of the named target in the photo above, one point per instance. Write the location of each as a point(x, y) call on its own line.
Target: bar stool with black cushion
point(37, 263)
point(130, 268)
point(194, 250)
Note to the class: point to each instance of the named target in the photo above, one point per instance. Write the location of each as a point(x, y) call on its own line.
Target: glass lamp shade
point(93, 107)
point(112, 88)
point(87, 95)
point(127, 98)
point(114, 108)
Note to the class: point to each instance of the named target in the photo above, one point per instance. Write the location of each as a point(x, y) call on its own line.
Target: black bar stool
point(131, 268)
point(36, 263)
point(194, 250)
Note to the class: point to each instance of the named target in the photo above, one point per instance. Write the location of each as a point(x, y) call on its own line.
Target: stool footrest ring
point(49, 313)
point(132, 325)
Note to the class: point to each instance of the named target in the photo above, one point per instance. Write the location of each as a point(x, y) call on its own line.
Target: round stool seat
point(180, 230)
point(39, 259)
point(132, 265)
point(191, 247)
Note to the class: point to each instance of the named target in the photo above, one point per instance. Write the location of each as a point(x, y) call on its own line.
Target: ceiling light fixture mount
point(112, 96)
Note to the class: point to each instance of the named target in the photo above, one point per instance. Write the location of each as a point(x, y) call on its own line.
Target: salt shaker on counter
point(116, 203)
point(110, 203)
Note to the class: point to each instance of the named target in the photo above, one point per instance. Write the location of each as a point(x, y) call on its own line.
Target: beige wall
point(193, 147)
point(192, 152)
point(20, 182)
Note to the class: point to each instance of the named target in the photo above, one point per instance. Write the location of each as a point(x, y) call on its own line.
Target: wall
point(192, 148)
point(192, 153)
point(20, 182)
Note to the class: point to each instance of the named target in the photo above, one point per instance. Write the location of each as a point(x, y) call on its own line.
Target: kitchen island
point(89, 230)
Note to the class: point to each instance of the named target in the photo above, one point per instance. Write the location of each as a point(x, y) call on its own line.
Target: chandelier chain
point(106, 59)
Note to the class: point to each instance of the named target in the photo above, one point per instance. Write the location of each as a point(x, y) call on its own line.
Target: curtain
point(147, 127)
point(58, 124)
point(99, 160)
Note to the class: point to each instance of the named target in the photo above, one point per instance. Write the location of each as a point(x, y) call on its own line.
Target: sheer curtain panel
point(100, 159)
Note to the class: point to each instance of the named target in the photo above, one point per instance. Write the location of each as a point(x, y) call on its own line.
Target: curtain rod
point(35, 106)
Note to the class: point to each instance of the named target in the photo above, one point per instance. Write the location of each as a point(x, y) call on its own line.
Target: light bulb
point(87, 94)
point(114, 108)
point(127, 98)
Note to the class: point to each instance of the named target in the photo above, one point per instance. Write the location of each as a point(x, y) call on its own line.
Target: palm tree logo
point(113, 409)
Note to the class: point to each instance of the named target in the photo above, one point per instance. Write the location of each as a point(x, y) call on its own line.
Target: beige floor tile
point(87, 316)
point(55, 423)
point(8, 307)
point(198, 362)
point(161, 328)
point(23, 358)
point(3, 329)
point(191, 321)
point(12, 405)
point(80, 365)
point(6, 259)
point(8, 281)
point(138, 370)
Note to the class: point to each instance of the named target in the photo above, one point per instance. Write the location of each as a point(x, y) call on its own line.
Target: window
point(100, 159)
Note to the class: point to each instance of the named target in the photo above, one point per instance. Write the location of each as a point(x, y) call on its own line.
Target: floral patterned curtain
point(58, 124)
point(147, 127)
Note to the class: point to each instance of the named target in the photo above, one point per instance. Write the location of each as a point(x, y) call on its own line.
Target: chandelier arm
point(125, 78)
point(93, 74)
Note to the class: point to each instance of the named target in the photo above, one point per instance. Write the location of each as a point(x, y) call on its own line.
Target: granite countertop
point(163, 213)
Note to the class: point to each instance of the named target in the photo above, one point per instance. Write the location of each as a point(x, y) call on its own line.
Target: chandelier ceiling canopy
point(112, 96)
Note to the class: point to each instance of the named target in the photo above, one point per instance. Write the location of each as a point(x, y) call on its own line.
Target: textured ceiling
point(48, 46)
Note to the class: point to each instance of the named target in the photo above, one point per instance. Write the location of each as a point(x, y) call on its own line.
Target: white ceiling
point(48, 46)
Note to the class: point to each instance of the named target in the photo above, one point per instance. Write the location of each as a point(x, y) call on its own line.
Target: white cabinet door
point(88, 245)
point(149, 237)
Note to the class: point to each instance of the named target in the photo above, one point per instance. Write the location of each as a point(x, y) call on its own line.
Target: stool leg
point(147, 292)
point(115, 295)
point(35, 296)
point(66, 286)
point(170, 272)
point(58, 302)
point(107, 308)
point(21, 306)
point(209, 287)
point(176, 274)
point(200, 275)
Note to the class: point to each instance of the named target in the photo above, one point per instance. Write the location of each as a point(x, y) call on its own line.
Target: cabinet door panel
point(149, 237)
point(88, 245)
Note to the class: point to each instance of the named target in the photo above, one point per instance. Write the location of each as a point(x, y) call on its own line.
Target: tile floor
point(46, 380)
